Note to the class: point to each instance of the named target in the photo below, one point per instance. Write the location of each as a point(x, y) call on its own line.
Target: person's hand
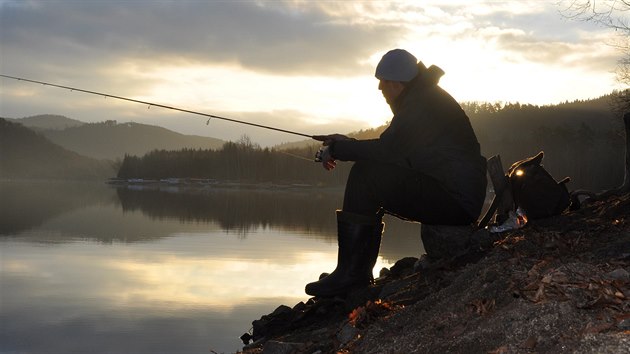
point(327, 160)
point(328, 139)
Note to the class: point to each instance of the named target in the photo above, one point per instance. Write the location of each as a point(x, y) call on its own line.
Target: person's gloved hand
point(328, 161)
point(325, 156)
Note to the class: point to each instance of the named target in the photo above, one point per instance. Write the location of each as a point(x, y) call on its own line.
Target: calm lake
point(94, 268)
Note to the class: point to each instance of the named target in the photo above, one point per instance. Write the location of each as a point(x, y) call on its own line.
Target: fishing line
point(293, 155)
point(150, 104)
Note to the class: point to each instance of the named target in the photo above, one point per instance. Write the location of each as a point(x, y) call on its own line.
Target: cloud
point(591, 53)
point(275, 37)
point(529, 33)
point(258, 60)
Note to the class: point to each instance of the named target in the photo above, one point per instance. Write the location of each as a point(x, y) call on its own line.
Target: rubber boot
point(359, 240)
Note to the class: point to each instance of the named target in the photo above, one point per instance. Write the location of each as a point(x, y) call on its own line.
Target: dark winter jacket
point(431, 134)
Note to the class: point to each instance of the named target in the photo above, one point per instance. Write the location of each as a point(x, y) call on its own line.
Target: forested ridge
point(25, 154)
point(582, 139)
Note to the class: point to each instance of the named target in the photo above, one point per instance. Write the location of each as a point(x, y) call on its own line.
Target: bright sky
point(305, 66)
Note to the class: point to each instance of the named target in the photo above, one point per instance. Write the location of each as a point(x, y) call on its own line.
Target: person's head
point(396, 68)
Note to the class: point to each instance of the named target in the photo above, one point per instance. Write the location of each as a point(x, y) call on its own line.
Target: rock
point(391, 288)
point(275, 347)
point(384, 272)
point(445, 241)
point(423, 263)
point(281, 310)
point(254, 345)
point(484, 239)
point(403, 266)
point(246, 338)
point(300, 306)
point(619, 274)
point(347, 333)
point(276, 322)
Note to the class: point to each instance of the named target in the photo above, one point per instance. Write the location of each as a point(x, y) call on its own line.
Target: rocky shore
point(560, 284)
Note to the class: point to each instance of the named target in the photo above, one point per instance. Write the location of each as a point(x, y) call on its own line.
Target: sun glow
point(217, 282)
point(230, 88)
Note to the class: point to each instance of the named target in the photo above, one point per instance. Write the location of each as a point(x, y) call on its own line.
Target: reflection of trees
point(90, 210)
point(28, 204)
point(239, 209)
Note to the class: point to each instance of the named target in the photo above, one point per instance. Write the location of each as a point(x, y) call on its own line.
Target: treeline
point(581, 139)
point(240, 161)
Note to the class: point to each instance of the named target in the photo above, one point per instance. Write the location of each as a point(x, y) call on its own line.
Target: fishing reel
point(319, 153)
point(323, 153)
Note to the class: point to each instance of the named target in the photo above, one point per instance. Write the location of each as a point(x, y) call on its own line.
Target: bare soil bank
point(558, 285)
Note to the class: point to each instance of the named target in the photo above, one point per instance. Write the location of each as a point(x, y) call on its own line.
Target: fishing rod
point(210, 116)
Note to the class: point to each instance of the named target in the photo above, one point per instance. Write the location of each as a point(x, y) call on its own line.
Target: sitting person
point(425, 167)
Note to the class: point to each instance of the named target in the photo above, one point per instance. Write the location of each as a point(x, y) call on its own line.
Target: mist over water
point(88, 267)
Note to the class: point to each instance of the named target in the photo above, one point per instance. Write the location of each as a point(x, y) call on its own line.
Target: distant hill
point(111, 140)
point(47, 121)
point(26, 154)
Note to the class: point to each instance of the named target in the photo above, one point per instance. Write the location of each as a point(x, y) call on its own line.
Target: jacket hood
point(430, 76)
point(427, 77)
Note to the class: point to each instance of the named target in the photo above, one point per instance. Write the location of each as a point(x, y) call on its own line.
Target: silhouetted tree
point(611, 14)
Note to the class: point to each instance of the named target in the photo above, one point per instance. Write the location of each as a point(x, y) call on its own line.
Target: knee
point(362, 170)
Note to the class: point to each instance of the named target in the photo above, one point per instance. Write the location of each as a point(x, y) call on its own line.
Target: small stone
point(424, 263)
point(384, 272)
point(624, 325)
point(299, 306)
point(402, 265)
point(281, 310)
point(246, 338)
point(529, 343)
point(347, 333)
point(619, 274)
point(391, 288)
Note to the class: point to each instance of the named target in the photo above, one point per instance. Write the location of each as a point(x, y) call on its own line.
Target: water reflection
point(238, 209)
point(91, 268)
point(184, 293)
point(109, 299)
point(25, 205)
point(107, 214)
point(308, 210)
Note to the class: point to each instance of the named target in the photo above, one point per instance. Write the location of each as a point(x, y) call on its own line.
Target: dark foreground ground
point(558, 285)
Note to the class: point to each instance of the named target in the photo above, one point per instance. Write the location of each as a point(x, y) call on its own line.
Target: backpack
point(535, 190)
